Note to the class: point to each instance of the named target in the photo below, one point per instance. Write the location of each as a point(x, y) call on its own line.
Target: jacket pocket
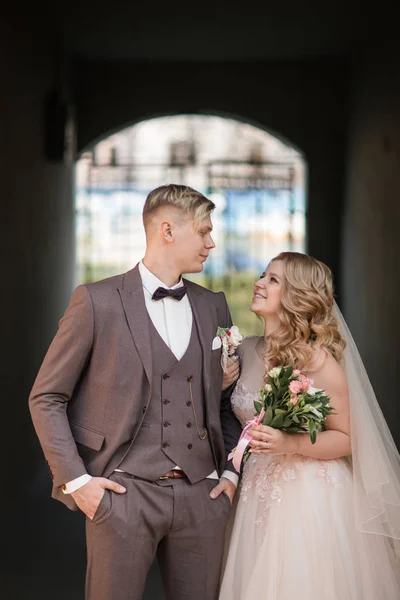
point(88, 437)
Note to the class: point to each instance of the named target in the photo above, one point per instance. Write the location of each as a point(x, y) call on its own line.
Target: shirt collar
point(151, 282)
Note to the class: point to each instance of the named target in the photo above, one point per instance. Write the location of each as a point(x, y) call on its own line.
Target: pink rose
point(295, 387)
point(294, 399)
point(305, 383)
point(296, 372)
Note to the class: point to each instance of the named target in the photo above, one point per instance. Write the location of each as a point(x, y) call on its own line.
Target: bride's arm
point(332, 443)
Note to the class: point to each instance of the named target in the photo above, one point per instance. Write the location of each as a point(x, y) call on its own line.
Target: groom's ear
point(166, 231)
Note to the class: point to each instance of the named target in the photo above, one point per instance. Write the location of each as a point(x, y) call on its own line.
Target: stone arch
point(298, 102)
point(212, 113)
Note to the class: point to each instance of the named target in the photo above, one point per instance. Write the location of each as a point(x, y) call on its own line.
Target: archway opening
point(256, 181)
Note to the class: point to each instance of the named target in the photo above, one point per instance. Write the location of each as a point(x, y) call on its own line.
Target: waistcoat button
point(165, 376)
point(165, 445)
point(190, 446)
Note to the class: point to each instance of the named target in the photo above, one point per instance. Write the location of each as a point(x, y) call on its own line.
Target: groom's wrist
point(231, 476)
point(75, 484)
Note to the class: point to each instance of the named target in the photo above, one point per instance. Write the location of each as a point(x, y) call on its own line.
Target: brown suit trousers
point(172, 519)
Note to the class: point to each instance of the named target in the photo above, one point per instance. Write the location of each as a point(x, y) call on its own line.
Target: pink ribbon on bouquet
point(244, 440)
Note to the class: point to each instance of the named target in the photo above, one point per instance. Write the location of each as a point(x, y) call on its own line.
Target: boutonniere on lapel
point(229, 339)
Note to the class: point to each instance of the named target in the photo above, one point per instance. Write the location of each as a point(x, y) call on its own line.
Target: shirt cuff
point(231, 476)
point(75, 484)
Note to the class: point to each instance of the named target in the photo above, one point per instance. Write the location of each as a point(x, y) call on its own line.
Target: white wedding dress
point(293, 533)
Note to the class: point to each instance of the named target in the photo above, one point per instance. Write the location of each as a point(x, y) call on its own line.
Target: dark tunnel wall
point(37, 254)
point(370, 272)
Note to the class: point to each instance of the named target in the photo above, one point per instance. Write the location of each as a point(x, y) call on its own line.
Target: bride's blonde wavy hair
point(305, 313)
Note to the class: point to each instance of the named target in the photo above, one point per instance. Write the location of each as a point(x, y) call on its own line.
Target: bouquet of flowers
point(229, 339)
point(288, 401)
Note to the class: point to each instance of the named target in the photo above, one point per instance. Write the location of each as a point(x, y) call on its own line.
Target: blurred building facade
point(256, 181)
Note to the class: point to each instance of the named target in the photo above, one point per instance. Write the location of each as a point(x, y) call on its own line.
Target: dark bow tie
point(162, 292)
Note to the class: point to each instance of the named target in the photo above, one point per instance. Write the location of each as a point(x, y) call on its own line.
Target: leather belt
point(174, 474)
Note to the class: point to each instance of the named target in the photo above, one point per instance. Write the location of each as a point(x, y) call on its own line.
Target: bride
point(322, 521)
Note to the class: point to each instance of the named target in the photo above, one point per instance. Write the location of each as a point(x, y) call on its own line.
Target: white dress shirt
point(173, 320)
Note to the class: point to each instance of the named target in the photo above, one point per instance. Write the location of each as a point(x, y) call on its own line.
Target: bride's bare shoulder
point(327, 372)
point(248, 345)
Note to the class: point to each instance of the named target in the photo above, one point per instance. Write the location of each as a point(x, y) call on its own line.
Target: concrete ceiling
point(173, 31)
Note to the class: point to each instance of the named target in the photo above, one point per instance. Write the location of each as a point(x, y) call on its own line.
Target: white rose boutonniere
point(230, 338)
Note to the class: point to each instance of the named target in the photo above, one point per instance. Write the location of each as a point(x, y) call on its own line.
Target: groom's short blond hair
point(189, 201)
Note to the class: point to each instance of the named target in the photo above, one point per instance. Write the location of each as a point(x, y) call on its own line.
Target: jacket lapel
point(205, 327)
point(133, 301)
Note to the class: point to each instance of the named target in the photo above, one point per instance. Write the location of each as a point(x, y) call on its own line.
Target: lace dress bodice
point(251, 378)
point(252, 371)
point(243, 403)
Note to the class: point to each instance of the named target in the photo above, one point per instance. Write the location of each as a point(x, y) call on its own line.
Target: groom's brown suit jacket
point(93, 389)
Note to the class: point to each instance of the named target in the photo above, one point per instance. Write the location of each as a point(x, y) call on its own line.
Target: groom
point(127, 407)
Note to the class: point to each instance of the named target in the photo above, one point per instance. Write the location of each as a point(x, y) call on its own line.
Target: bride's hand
point(232, 372)
point(267, 440)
